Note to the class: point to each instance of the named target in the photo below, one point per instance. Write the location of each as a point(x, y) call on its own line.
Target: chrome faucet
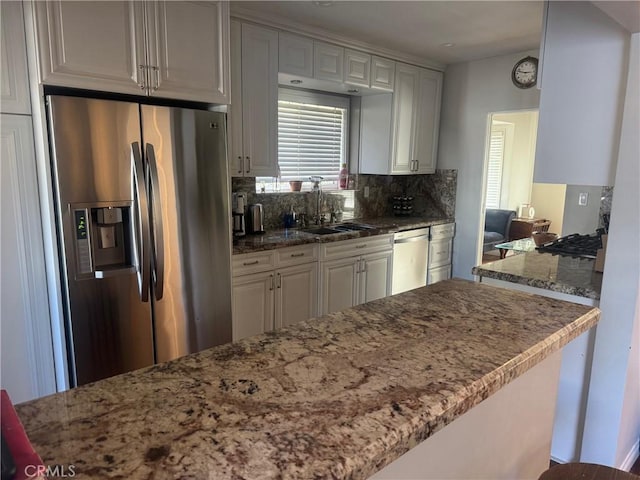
point(317, 218)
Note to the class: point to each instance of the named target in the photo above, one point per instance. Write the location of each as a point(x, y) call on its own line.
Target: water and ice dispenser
point(103, 240)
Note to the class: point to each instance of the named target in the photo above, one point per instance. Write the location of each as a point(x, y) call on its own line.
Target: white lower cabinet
point(273, 290)
point(440, 252)
point(349, 277)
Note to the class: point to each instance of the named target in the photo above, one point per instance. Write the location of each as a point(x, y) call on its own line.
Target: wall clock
point(525, 72)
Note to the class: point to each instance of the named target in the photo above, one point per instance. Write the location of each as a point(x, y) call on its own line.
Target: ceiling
point(478, 29)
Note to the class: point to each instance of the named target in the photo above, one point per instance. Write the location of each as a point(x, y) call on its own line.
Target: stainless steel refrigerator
point(142, 195)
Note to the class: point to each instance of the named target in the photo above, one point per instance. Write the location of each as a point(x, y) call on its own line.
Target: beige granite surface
point(338, 396)
point(559, 273)
point(289, 237)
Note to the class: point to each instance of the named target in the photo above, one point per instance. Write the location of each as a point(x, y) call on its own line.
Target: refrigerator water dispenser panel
point(104, 240)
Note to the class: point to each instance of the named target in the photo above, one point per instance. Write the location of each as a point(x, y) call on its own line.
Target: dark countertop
point(290, 237)
point(573, 276)
point(339, 396)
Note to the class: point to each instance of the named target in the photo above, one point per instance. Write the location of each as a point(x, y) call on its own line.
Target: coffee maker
point(237, 212)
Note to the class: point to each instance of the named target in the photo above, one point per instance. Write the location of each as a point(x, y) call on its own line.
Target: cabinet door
point(405, 99)
point(260, 100)
point(92, 45)
point(296, 55)
point(253, 308)
point(14, 91)
point(27, 367)
point(383, 73)
point(438, 274)
point(234, 112)
point(328, 62)
point(375, 276)
point(339, 280)
point(296, 294)
point(440, 252)
point(189, 50)
point(357, 68)
point(428, 120)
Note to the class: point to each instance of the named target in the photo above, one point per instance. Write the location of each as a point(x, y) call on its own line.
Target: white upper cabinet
point(181, 51)
point(383, 73)
point(295, 55)
point(412, 115)
point(357, 68)
point(328, 62)
point(14, 80)
point(253, 114)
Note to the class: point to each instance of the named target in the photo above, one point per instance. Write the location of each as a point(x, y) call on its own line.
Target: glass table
point(517, 246)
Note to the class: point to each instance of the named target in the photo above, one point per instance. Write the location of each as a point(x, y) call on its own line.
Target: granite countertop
point(339, 396)
point(573, 276)
point(290, 237)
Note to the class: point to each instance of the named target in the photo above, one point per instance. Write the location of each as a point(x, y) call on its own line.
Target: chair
point(497, 224)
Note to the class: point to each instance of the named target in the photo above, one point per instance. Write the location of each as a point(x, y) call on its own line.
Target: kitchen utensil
point(256, 218)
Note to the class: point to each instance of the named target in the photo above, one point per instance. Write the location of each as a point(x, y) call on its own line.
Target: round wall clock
point(525, 72)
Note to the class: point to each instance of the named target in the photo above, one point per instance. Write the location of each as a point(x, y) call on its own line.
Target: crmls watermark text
point(52, 471)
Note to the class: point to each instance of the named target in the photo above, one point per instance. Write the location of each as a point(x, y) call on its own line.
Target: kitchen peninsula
point(340, 396)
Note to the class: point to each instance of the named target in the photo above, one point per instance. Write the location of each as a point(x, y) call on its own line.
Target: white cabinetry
point(355, 271)
point(253, 114)
point(412, 115)
point(14, 92)
point(274, 289)
point(295, 55)
point(328, 62)
point(383, 73)
point(357, 68)
point(440, 252)
point(166, 49)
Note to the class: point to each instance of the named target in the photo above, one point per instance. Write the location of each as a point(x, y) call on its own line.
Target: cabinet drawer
point(440, 252)
point(298, 255)
point(438, 274)
point(357, 246)
point(443, 231)
point(253, 263)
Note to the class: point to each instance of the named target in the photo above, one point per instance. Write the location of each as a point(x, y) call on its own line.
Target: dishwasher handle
point(412, 239)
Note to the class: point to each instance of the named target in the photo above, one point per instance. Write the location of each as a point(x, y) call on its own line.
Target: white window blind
point(311, 140)
point(494, 170)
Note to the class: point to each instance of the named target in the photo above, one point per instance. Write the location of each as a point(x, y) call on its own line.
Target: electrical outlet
point(366, 192)
point(583, 198)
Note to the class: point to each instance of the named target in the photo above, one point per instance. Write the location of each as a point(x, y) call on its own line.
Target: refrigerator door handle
point(140, 222)
point(157, 240)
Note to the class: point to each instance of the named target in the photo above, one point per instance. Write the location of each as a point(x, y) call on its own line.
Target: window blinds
point(311, 140)
point(494, 169)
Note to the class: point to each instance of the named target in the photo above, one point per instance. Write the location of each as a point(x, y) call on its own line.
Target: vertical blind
point(494, 170)
point(311, 140)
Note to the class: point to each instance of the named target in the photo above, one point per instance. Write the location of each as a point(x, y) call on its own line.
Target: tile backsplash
point(434, 195)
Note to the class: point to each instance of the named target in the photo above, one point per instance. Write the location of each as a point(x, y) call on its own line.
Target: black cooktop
point(575, 245)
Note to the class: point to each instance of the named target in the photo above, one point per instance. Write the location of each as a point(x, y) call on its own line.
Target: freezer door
point(109, 328)
point(185, 153)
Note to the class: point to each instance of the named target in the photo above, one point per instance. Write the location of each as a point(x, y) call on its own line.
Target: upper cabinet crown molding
point(154, 48)
point(14, 91)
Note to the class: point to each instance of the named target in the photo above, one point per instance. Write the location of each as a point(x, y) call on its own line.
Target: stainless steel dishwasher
point(410, 259)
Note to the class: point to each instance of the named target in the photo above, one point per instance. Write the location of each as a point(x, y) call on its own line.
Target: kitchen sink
point(340, 228)
point(321, 230)
point(349, 227)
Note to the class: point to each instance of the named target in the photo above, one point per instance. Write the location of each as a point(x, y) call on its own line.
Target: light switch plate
point(366, 192)
point(583, 197)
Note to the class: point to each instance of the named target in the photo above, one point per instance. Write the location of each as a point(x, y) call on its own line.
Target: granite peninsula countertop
point(289, 237)
point(564, 274)
point(339, 396)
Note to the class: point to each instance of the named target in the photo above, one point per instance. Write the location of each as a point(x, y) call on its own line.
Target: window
point(494, 169)
point(312, 138)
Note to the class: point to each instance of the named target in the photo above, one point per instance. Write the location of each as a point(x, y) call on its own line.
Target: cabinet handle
point(417, 165)
point(271, 277)
point(297, 255)
point(240, 165)
point(361, 246)
point(255, 262)
point(248, 164)
point(156, 70)
point(279, 281)
point(141, 83)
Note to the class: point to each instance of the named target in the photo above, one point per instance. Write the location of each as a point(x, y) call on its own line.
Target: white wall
point(581, 218)
point(471, 92)
point(517, 174)
point(605, 440)
point(548, 200)
point(583, 85)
